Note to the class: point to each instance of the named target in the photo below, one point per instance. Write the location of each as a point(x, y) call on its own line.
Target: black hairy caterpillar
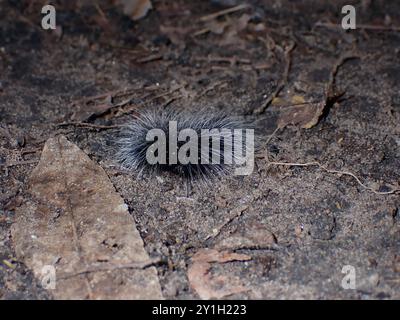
point(216, 151)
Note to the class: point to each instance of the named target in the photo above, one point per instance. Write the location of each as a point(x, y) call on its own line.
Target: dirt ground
point(305, 223)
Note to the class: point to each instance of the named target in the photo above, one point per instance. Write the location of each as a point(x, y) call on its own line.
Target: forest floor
point(333, 94)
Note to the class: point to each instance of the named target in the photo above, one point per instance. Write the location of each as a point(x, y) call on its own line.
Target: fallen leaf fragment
point(276, 101)
point(296, 99)
point(85, 112)
point(76, 223)
point(208, 287)
point(304, 115)
point(136, 9)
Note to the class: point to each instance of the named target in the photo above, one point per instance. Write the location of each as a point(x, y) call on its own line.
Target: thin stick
point(21, 163)
point(236, 213)
point(112, 94)
point(348, 173)
point(88, 125)
point(223, 12)
point(211, 87)
point(111, 267)
point(330, 87)
point(283, 81)
point(272, 135)
point(316, 163)
point(358, 26)
point(153, 57)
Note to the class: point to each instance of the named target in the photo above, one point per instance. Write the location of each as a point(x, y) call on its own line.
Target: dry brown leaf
point(77, 223)
point(83, 112)
point(296, 99)
point(136, 9)
point(208, 287)
point(276, 101)
point(304, 115)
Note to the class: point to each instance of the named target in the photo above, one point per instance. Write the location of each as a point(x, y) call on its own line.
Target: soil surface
point(305, 223)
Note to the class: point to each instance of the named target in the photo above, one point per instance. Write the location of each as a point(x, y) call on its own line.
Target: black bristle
point(133, 145)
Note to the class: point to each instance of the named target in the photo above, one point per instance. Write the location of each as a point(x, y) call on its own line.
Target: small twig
point(112, 94)
point(331, 95)
point(22, 18)
point(223, 12)
point(283, 81)
point(272, 135)
point(88, 125)
point(330, 87)
point(231, 60)
point(122, 103)
point(151, 99)
point(29, 151)
point(358, 26)
point(236, 213)
point(111, 267)
point(165, 93)
point(153, 57)
point(211, 87)
point(201, 31)
point(293, 105)
point(169, 101)
point(316, 163)
point(101, 12)
point(21, 163)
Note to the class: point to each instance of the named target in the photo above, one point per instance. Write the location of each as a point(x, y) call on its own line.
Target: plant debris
point(136, 9)
point(214, 287)
point(77, 224)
